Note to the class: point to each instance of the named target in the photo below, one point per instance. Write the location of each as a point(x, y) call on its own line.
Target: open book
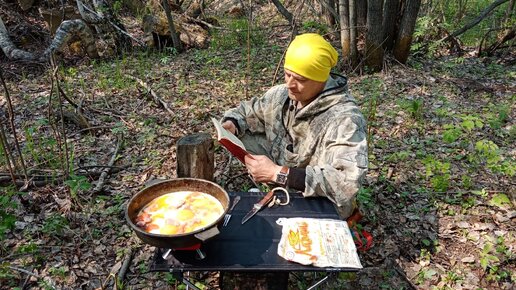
point(318, 242)
point(230, 141)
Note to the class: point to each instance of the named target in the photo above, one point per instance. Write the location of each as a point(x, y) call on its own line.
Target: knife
point(258, 206)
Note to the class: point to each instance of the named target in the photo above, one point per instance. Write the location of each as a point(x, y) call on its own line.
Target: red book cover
point(230, 141)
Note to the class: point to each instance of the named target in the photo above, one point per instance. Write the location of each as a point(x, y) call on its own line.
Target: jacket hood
point(335, 91)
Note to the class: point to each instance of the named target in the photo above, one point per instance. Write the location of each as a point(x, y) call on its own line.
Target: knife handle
point(265, 200)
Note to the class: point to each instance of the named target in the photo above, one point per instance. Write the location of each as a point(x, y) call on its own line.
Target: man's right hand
point(230, 126)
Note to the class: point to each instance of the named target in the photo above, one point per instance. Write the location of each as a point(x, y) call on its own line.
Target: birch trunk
point(353, 32)
point(344, 28)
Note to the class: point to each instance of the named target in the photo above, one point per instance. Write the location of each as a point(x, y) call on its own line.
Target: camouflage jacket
point(327, 137)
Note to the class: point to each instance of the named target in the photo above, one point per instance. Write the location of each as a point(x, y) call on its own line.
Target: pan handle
point(207, 234)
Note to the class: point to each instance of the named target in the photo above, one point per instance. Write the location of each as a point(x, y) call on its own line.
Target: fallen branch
point(24, 271)
point(508, 35)
point(105, 172)
point(93, 128)
point(199, 21)
point(42, 180)
point(77, 118)
point(475, 21)
point(125, 266)
point(398, 269)
point(52, 284)
point(66, 97)
point(159, 101)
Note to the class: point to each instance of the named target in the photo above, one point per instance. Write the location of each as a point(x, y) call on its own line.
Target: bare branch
point(13, 127)
point(105, 172)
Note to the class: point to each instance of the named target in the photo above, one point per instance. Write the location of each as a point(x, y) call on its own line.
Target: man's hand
point(261, 168)
point(230, 126)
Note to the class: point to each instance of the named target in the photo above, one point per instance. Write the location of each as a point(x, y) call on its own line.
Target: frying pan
point(142, 198)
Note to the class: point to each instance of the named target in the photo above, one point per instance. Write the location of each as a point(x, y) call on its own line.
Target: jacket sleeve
point(254, 115)
point(342, 165)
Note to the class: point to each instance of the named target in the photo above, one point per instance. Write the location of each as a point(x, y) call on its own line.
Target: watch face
point(281, 178)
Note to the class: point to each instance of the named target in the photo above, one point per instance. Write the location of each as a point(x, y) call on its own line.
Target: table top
point(250, 247)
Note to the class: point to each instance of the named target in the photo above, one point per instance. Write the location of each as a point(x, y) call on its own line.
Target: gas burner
point(200, 255)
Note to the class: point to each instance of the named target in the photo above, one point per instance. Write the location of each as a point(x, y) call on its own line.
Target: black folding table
point(251, 247)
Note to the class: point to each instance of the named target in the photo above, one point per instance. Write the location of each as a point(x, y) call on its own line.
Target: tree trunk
point(328, 12)
point(173, 34)
point(283, 11)
point(404, 38)
point(361, 12)
point(374, 39)
point(353, 32)
point(344, 29)
point(390, 22)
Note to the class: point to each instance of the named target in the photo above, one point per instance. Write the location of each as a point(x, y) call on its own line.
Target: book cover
point(230, 141)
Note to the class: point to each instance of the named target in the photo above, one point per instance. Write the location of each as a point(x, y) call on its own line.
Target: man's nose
point(290, 82)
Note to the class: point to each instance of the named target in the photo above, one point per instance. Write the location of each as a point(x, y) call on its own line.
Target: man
point(307, 134)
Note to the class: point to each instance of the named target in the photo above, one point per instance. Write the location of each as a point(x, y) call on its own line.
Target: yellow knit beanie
point(311, 56)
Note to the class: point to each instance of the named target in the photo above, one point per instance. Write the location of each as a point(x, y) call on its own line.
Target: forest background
point(92, 107)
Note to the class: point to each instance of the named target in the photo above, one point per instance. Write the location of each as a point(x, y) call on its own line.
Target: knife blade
point(258, 206)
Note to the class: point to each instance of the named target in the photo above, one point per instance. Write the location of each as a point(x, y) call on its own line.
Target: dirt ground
point(67, 236)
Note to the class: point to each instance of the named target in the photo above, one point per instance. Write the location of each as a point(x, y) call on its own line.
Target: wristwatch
point(282, 175)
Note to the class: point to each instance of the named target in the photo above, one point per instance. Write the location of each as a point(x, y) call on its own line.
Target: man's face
point(302, 89)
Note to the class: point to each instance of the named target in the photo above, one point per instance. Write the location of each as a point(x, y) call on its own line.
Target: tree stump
point(195, 156)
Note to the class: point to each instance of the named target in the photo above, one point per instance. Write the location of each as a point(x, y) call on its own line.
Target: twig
point(400, 271)
point(156, 97)
point(276, 72)
point(13, 127)
point(93, 128)
point(199, 21)
point(24, 271)
point(106, 171)
point(6, 150)
point(42, 180)
point(97, 166)
point(235, 177)
point(50, 114)
point(66, 97)
point(66, 167)
point(125, 266)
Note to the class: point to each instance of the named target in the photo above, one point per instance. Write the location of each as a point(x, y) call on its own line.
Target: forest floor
point(439, 198)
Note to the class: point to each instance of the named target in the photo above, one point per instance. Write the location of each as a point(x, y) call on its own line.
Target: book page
point(318, 242)
point(230, 141)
